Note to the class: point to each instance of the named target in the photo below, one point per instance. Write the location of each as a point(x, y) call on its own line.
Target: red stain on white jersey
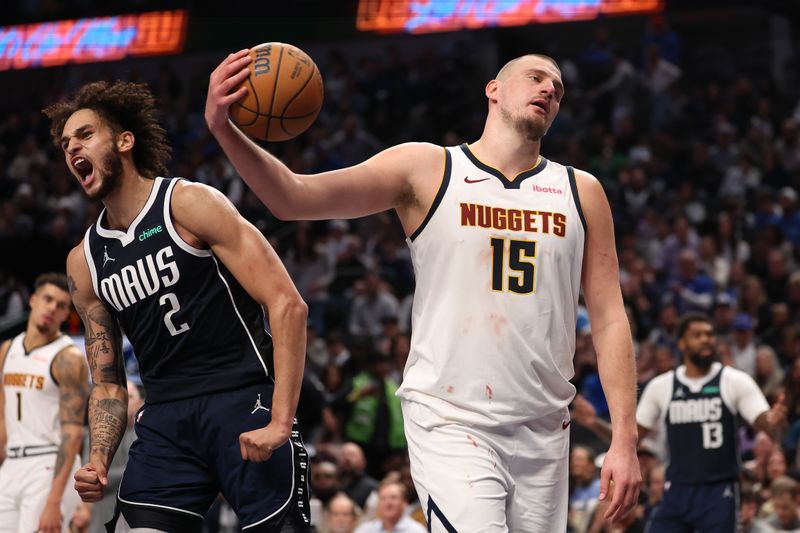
point(472, 440)
point(498, 323)
point(450, 388)
point(489, 392)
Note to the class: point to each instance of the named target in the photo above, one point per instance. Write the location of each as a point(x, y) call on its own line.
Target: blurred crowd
point(702, 172)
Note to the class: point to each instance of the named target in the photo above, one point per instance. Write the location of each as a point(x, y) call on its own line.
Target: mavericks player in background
point(174, 266)
point(44, 384)
point(502, 241)
point(698, 405)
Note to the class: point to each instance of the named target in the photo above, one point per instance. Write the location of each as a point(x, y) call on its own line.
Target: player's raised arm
point(108, 399)
point(206, 215)
point(380, 183)
point(612, 339)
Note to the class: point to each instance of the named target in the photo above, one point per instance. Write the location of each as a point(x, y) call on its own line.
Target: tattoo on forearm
point(107, 420)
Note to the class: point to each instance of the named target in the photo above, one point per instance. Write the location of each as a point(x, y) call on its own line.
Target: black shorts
point(187, 452)
point(685, 508)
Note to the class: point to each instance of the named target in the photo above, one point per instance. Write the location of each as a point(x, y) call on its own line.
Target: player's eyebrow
point(78, 131)
point(556, 81)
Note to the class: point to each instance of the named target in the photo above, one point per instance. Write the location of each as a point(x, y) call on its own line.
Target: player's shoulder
point(413, 153)
point(734, 376)
point(76, 257)
point(659, 382)
point(191, 197)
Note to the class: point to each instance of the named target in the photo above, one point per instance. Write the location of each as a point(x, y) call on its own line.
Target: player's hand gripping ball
point(284, 93)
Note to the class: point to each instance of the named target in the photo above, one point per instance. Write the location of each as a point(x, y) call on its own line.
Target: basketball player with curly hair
point(173, 265)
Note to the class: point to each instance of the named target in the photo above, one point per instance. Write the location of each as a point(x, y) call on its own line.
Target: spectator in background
point(584, 488)
point(744, 347)
point(784, 492)
point(341, 515)
point(324, 486)
point(356, 483)
point(372, 303)
point(375, 421)
point(692, 289)
point(392, 503)
point(769, 374)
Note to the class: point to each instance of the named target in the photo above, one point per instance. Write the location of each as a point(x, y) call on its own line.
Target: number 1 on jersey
point(520, 262)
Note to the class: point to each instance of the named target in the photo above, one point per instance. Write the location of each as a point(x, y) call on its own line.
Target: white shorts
point(496, 480)
point(24, 486)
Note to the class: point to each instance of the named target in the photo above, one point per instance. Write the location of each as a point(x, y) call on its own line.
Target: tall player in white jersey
point(44, 384)
point(502, 241)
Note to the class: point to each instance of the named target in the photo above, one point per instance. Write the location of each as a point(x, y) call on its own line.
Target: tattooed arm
point(3, 435)
point(108, 399)
point(69, 371)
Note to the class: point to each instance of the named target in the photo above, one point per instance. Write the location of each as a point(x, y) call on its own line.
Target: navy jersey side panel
point(701, 431)
point(193, 328)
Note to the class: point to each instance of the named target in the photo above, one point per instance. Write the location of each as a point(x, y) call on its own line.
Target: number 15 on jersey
point(513, 268)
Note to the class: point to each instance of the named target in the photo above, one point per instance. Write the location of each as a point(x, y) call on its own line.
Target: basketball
point(284, 93)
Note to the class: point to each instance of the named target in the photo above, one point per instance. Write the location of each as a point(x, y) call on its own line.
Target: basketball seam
point(258, 104)
point(267, 115)
point(296, 94)
point(274, 90)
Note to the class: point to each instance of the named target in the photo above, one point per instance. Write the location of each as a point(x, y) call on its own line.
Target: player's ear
point(491, 90)
point(125, 141)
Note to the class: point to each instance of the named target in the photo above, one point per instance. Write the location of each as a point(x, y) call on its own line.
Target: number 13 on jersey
point(512, 265)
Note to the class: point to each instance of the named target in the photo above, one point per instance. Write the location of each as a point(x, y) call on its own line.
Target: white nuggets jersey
point(498, 269)
point(31, 394)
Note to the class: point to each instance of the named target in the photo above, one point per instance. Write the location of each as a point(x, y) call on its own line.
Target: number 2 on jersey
point(172, 300)
point(522, 277)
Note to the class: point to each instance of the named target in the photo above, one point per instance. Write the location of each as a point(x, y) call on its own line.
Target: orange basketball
point(284, 93)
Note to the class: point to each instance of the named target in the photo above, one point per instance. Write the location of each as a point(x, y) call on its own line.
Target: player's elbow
point(293, 309)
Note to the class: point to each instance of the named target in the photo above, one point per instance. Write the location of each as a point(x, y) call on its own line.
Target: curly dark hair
point(124, 106)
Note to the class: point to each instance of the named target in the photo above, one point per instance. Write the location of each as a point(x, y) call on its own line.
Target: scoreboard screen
point(425, 16)
point(48, 44)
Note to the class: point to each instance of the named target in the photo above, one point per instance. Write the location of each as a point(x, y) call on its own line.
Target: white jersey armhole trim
point(87, 256)
point(176, 238)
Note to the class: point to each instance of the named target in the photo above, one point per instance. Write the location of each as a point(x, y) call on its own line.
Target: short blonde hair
point(508, 66)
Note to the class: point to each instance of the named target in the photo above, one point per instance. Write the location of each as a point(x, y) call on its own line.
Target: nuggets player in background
point(44, 385)
point(502, 242)
point(174, 266)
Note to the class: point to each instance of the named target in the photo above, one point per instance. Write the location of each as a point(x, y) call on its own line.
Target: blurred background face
point(581, 466)
point(391, 502)
point(351, 459)
point(49, 308)
point(324, 479)
point(341, 515)
point(785, 509)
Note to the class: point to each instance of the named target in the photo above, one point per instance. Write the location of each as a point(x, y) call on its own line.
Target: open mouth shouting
point(84, 169)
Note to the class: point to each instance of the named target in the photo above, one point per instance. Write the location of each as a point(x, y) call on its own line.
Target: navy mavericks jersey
point(701, 431)
point(193, 328)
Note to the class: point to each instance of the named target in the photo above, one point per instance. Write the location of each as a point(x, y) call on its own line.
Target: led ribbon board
point(424, 16)
point(49, 44)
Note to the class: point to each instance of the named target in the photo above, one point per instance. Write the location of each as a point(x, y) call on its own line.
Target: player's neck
point(506, 151)
point(36, 338)
point(125, 202)
point(694, 371)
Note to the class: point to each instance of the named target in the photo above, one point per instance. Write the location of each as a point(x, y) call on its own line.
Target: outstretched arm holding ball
point(439, 195)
